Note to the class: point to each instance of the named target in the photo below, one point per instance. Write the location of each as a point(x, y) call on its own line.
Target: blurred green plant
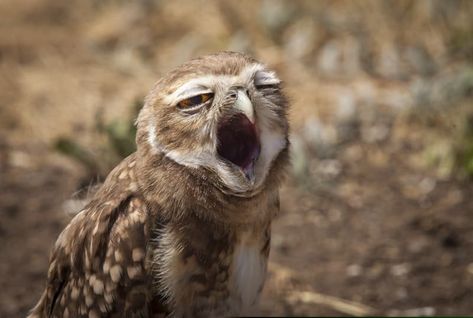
point(116, 140)
point(461, 42)
point(449, 141)
point(120, 133)
point(465, 148)
point(72, 149)
point(445, 111)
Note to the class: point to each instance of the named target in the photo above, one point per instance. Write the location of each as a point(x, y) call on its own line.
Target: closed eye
point(194, 102)
point(268, 89)
point(266, 86)
point(266, 82)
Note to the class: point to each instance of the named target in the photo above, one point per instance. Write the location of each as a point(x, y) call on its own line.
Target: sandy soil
point(368, 225)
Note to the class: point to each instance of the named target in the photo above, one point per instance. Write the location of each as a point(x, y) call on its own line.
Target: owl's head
point(225, 113)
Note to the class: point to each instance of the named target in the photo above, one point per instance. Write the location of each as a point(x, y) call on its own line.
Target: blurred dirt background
point(377, 210)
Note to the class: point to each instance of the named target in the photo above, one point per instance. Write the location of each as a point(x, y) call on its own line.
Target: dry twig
point(340, 305)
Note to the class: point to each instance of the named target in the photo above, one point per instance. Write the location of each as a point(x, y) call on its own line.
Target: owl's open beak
point(244, 104)
point(238, 138)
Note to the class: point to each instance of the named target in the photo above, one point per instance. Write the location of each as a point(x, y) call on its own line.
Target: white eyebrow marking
point(187, 91)
point(266, 78)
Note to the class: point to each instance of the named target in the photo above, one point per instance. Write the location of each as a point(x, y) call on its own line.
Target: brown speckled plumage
point(166, 234)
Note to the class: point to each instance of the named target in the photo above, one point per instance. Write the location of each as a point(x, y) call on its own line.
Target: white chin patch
point(272, 143)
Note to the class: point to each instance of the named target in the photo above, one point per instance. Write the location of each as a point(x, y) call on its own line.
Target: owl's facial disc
point(227, 117)
point(238, 142)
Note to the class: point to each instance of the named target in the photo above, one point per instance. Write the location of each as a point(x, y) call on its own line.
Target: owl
point(182, 226)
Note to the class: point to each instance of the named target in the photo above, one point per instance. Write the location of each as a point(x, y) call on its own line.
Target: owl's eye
point(268, 90)
point(195, 101)
point(267, 86)
point(266, 82)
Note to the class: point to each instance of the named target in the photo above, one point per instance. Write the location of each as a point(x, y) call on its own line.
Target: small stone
point(354, 270)
point(400, 269)
point(422, 311)
point(469, 268)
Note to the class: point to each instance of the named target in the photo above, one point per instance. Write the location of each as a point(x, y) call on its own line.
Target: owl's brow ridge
point(202, 84)
point(191, 90)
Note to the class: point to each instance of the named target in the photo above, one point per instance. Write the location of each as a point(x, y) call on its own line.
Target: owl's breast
point(249, 269)
point(202, 273)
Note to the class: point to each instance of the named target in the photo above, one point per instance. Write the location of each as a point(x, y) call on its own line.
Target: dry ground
point(373, 219)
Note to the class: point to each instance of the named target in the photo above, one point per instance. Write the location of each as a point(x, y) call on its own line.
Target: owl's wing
point(98, 265)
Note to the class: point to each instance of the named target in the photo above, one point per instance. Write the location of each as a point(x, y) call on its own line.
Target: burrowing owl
point(182, 226)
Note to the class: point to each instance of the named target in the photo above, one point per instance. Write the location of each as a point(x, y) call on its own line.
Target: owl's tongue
point(238, 143)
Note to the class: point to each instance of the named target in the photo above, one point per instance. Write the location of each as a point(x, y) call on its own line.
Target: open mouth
point(238, 143)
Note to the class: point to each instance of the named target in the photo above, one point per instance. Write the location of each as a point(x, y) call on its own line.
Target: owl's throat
point(238, 142)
